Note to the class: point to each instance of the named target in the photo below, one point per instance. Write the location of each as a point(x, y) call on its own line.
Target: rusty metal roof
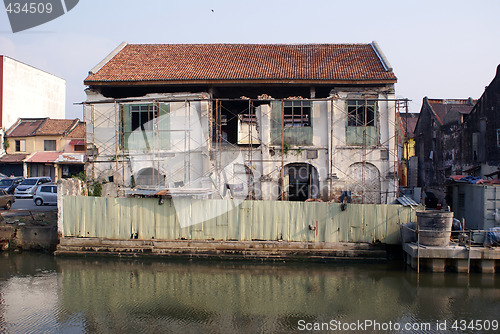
point(408, 122)
point(26, 127)
point(44, 157)
point(12, 158)
point(180, 63)
point(441, 107)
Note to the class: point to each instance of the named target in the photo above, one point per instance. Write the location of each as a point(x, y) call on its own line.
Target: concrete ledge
point(453, 258)
point(270, 250)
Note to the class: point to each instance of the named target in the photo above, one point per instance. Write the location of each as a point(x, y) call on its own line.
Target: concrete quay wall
point(229, 250)
point(26, 238)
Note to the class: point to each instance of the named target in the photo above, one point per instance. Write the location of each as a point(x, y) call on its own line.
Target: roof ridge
point(71, 127)
point(156, 44)
point(40, 125)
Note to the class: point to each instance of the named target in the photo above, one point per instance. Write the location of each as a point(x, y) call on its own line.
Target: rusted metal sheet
point(145, 218)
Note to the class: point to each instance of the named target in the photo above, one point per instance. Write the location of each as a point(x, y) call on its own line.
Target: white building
point(28, 92)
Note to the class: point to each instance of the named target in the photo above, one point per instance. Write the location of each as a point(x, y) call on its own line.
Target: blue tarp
point(471, 179)
point(492, 237)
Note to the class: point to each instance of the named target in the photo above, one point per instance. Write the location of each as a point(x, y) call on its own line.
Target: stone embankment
point(30, 232)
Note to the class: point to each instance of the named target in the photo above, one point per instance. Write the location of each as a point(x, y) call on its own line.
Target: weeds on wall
point(96, 189)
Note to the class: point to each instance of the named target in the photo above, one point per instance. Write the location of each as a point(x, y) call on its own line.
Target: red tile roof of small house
point(195, 63)
point(55, 127)
point(79, 131)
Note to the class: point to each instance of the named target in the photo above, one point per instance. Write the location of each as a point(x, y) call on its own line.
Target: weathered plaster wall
point(266, 161)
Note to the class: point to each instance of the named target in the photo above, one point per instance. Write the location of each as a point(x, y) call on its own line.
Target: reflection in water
point(40, 293)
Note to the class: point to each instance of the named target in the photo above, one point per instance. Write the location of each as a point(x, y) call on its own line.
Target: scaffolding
point(212, 131)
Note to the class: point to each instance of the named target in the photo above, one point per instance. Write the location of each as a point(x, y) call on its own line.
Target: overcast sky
point(438, 48)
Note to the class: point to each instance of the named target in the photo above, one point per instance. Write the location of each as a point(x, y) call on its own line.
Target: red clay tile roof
point(78, 132)
point(12, 158)
point(202, 62)
point(41, 127)
point(55, 127)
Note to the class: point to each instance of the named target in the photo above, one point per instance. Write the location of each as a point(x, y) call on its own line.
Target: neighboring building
point(44, 147)
point(437, 142)
point(406, 148)
point(28, 92)
point(481, 133)
point(271, 121)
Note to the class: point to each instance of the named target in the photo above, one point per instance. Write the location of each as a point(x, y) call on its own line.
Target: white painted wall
point(30, 92)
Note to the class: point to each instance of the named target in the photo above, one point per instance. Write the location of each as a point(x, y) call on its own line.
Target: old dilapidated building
point(259, 121)
point(437, 141)
point(480, 133)
point(459, 138)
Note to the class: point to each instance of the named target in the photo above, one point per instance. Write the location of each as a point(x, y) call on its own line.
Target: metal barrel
point(434, 227)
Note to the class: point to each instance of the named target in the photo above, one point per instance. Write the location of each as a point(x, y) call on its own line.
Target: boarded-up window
point(363, 180)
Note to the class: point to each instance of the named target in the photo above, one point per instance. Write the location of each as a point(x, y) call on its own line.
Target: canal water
point(43, 294)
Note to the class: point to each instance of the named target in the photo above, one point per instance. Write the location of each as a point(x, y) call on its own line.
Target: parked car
point(10, 183)
point(45, 194)
point(28, 186)
point(6, 200)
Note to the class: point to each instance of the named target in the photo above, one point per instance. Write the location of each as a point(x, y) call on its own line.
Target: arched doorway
point(301, 182)
point(363, 180)
point(149, 177)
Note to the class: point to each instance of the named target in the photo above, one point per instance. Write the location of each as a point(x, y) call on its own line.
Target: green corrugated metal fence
point(120, 218)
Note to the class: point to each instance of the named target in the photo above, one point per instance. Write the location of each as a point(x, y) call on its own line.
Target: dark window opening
point(234, 122)
point(303, 182)
point(361, 113)
point(79, 148)
point(49, 145)
point(297, 113)
point(20, 145)
point(448, 171)
point(475, 145)
point(142, 115)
